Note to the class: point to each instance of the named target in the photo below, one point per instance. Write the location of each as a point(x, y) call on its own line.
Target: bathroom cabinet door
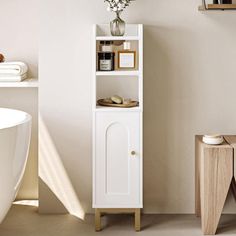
point(118, 160)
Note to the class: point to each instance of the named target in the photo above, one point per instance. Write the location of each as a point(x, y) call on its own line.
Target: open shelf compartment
point(118, 46)
point(124, 86)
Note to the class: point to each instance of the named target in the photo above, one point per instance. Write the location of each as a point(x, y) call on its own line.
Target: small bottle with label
point(106, 46)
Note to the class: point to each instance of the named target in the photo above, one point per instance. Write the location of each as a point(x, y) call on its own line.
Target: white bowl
point(213, 140)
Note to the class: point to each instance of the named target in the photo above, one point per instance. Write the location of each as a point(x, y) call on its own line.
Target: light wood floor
point(25, 221)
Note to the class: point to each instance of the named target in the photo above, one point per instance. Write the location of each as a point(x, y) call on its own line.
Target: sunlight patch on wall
point(53, 173)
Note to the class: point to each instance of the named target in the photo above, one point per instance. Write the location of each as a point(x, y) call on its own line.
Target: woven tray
point(103, 103)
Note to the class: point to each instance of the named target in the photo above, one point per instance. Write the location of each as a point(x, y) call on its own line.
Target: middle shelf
point(117, 73)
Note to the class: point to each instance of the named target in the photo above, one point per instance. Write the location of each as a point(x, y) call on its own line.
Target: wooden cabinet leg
point(137, 220)
point(97, 220)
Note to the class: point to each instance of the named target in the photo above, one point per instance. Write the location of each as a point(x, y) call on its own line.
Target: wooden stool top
point(229, 142)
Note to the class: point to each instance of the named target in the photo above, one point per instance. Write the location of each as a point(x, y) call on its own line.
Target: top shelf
point(132, 32)
point(118, 38)
point(217, 7)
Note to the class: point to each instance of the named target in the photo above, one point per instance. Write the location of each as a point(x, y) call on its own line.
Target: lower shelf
point(103, 108)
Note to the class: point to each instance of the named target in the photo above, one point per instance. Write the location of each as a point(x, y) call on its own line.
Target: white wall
point(189, 63)
point(19, 32)
point(19, 41)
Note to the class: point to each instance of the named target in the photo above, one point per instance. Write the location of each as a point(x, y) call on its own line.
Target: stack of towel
point(13, 71)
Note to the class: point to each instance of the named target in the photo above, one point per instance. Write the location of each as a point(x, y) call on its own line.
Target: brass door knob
point(133, 153)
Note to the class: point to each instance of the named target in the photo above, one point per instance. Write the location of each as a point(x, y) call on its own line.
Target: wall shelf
point(28, 83)
point(117, 73)
point(117, 38)
point(217, 7)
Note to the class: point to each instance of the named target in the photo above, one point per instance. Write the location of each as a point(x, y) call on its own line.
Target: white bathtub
point(15, 132)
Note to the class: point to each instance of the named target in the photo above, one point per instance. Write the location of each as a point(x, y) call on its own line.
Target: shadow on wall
point(165, 99)
point(53, 174)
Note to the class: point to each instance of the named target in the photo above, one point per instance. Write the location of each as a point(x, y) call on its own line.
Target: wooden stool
point(214, 174)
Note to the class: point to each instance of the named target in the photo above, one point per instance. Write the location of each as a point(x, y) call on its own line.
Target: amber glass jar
point(106, 61)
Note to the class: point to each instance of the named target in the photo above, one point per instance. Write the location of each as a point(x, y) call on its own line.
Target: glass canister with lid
point(106, 56)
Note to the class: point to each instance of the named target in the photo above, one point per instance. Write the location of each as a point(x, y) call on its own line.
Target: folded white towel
point(12, 78)
point(13, 68)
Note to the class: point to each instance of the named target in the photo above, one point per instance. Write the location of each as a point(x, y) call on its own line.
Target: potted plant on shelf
point(117, 26)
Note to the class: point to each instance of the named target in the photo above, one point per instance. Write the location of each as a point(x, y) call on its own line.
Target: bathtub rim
point(26, 120)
